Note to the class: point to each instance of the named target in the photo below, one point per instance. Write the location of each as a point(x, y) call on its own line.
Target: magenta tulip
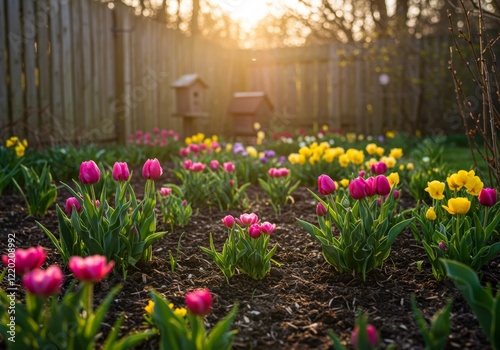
point(442, 246)
point(26, 260)
point(120, 171)
point(272, 172)
point(361, 173)
point(89, 173)
point(321, 209)
point(371, 335)
point(248, 219)
point(199, 302)
point(378, 168)
point(90, 269)
point(382, 185)
point(184, 152)
point(371, 186)
point(187, 164)
point(165, 191)
point(358, 188)
point(197, 167)
point(152, 169)
point(325, 184)
point(43, 283)
point(488, 197)
point(267, 228)
point(282, 172)
point(228, 221)
point(72, 203)
point(229, 167)
point(255, 231)
point(214, 164)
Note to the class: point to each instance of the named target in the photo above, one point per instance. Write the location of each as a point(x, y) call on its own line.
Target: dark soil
point(297, 303)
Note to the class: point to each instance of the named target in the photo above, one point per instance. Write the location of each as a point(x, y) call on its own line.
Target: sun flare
point(248, 13)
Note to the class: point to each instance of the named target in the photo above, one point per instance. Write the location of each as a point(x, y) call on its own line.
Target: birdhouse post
point(190, 98)
point(246, 108)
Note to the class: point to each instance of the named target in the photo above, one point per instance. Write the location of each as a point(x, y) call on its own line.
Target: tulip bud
point(325, 184)
point(267, 228)
point(90, 269)
point(321, 209)
point(371, 335)
point(184, 203)
point(383, 187)
point(199, 302)
point(26, 260)
point(431, 214)
point(152, 169)
point(358, 188)
point(72, 203)
point(43, 283)
point(254, 231)
point(442, 246)
point(488, 197)
point(231, 183)
point(228, 221)
point(89, 173)
point(361, 173)
point(120, 171)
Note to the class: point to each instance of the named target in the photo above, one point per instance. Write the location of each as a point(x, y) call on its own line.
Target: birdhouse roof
point(187, 80)
point(248, 102)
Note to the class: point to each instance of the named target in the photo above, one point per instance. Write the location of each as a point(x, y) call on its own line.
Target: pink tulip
point(214, 164)
point(231, 183)
point(184, 152)
point(43, 283)
point(487, 197)
point(89, 173)
point(325, 185)
point(184, 203)
point(382, 185)
point(267, 228)
point(321, 209)
point(26, 260)
point(358, 188)
point(90, 269)
point(120, 171)
point(442, 246)
point(187, 164)
point(371, 335)
point(378, 168)
point(197, 167)
point(248, 219)
point(272, 172)
point(194, 148)
point(229, 167)
point(199, 302)
point(282, 172)
point(228, 221)
point(165, 191)
point(72, 203)
point(255, 231)
point(152, 169)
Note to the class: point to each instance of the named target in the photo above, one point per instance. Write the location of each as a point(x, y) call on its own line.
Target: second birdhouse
point(190, 96)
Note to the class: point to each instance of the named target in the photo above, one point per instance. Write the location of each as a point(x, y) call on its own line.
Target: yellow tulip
point(410, 166)
point(452, 184)
point(371, 148)
point(20, 149)
point(261, 135)
point(344, 182)
point(431, 214)
point(188, 140)
point(150, 307)
point(474, 186)
point(229, 147)
point(435, 189)
point(256, 126)
point(180, 312)
point(459, 205)
point(396, 153)
point(393, 179)
point(380, 151)
point(344, 160)
point(401, 167)
point(11, 142)
point(252, 151)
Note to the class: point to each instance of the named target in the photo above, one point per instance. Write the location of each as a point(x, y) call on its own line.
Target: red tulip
point(89, 173)
point(152, 169)
point(43, 283)
point(26, 260)
point(199, 302)
point(120, 171)
point(90, 269)
point(325, 184)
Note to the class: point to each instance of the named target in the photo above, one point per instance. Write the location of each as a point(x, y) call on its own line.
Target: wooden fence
point(81, 71)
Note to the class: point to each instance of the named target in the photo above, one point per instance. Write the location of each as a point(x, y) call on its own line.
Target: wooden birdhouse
point(190, 98)
point(247, 108)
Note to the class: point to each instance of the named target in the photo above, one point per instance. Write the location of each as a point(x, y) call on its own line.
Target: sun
point(248, 13)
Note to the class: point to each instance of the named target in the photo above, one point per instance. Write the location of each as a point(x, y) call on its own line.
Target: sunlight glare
point(248, 13)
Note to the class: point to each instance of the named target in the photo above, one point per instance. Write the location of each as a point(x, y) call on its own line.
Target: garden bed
point(297, 303)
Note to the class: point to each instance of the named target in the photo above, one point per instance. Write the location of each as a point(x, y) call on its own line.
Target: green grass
point(460, 158)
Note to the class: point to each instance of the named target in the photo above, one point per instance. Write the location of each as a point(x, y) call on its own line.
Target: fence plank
point(43, 62)
point(15, 66)
point(55, 56)
point(4, 105)
point(31, 106)
point(77, 70)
